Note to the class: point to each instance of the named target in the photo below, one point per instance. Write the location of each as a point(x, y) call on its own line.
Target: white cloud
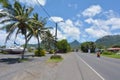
point(112, 23)
point(33, 40)
point(78, 23)
point(110, 14)
point(56, 19)
point(96, 32)
point(70, 30)
point(60, 36)
point(102, 27)
point(67, 29)
point(42, 2)
point(92, 11)
point(33, 2)
point(2, 37)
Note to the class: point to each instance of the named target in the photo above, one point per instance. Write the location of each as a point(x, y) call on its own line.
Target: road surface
point(75, 66)
point(108, 68)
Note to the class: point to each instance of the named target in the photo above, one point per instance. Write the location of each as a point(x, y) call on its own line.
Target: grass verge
point(55, 60)
point(112, 56)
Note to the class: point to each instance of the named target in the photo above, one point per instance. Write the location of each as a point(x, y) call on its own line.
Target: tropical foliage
point(19, 19)
point(63, 46)
point(40, 52)
point(48, 41)
point(88, 45)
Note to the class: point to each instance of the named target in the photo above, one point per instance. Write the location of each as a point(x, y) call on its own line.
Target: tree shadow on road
point(10, 60)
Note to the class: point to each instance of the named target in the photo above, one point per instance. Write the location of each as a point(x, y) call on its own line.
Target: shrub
point(56, 57)
point(40, 52)
point(51, 51)
point(107, 53)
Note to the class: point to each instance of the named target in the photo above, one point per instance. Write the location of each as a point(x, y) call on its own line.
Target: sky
point(82, 20)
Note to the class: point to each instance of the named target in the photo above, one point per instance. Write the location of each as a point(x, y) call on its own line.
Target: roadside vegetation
point(63, 46)
point(23, 20)
point(55, 58)
point(88, 45)
point(101, 48)
point(111, 54)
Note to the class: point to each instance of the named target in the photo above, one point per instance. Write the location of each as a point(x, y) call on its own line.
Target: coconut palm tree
point(6, 4)
point(38, 28)
point(18, 18)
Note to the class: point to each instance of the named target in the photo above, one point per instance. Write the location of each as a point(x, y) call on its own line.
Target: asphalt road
point(107, 68)
point(73, 68)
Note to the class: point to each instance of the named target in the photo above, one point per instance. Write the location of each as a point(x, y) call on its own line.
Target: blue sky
point(84, 20)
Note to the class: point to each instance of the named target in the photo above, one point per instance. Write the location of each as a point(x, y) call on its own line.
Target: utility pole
point(56, 25)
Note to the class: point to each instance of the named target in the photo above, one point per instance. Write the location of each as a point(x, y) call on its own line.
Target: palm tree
point(38, 28)
point(6, 4)
point(18, 16)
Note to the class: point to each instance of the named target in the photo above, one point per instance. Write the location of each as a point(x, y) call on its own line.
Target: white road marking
point(92, 69)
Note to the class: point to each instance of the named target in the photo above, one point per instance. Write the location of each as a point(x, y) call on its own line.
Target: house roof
point(113, 49)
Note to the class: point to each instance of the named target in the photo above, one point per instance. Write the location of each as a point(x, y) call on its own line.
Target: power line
point(45, 11)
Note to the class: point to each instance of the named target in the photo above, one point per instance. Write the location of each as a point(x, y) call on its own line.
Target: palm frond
point(18, 7)
point(35, 16)
point(11, 31)
point(18, 31)
point(14, 26)
point(8, 36)
point(28, 11)
point(6, 4)
point(6, 21)
point(6, 27)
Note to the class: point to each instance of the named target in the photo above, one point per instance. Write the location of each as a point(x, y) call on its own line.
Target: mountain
point(109, 41)
point(75, 44)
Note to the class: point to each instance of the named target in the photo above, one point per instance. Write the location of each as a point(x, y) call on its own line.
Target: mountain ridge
point(109, 40)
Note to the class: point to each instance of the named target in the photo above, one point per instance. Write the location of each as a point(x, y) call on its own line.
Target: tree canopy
point(63, 46)
point(88, 45)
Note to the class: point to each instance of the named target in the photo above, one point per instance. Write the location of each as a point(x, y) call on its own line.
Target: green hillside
point(109, 41)
point(75, 44)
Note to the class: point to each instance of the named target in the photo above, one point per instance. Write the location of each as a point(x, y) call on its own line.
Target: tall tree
point(48, 40)
point(85, 46)
point(18, 18)
point(38, 27)
point(63, 46)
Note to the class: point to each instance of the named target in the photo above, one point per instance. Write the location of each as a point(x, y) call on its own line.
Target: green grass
point(23, 60)
point(55, 60)
point(112, 56)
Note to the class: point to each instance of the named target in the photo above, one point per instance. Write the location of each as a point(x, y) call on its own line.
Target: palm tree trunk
point(26, 41)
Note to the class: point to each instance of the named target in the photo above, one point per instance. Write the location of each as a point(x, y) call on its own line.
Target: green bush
point(108, 53)
point(41, 52)
point(56, 57)
point(51, 51)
